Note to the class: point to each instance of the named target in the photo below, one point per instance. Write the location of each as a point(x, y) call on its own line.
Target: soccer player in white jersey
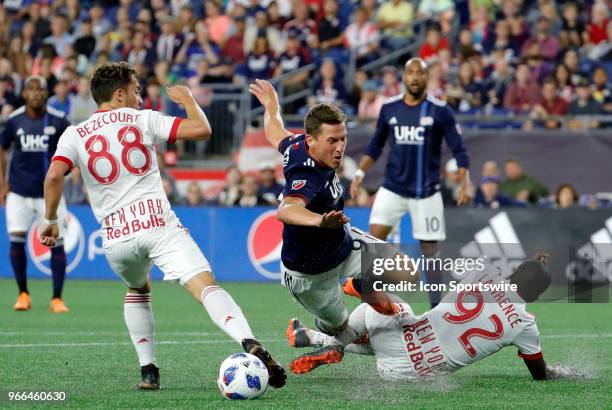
point(115, 150)
point(463, 329)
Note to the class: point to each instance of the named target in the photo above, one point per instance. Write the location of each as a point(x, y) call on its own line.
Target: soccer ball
point(242, 376)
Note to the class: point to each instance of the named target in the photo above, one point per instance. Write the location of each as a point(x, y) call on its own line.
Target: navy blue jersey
point(415, 135)
point(33, 142)
point(306, 249)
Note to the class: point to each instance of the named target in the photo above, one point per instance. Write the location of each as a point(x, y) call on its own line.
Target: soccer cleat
point(309, 361)
point(296, 334)
point(278, 377)
point(23, 302)
point(57, 306)
point(352, 287)
point(150, 378)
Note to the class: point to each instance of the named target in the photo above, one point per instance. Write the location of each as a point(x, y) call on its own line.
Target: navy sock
point(434, 278)
point(18, 261)
point(58, 269)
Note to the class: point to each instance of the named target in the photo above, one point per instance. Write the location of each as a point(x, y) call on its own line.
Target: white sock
point(347, 336)
point(141, 325)
point(226, 313)
point(321, 339)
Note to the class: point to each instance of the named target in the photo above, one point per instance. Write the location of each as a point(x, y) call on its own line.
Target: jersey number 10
point(98, 148)
point(468, 314)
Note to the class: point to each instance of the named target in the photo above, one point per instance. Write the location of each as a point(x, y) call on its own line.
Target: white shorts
point(21, 210)
point(171, 249)
point(321, 294)
point(426, 214)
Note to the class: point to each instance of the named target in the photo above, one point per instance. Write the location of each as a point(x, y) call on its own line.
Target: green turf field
point(88, 353)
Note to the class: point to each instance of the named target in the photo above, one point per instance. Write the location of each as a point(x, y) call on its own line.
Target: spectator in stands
point(391, 85)
point(59, 100)
point(503, 40)
point(538, 66)
point(549, 46)
point(170, 191)
point(480, 26)
point(546, 113)
point(248, 193)
point(371, 102)
point(169, 41)
point(603, 50)
point(572, 62)
point(193, 196)
point(496, 84)
point(196, 46)
point(566, 197)
point(362, 37)
point(490, 169)
point(85, 43)
point(269, 188)
point(520, 186)
point(395, 19)
point(82, 105)
point(564, 85)
point(231, 192)
point(217, 23)
point(519, 27)
point(261, 28)
point(466, 96)
point(597, 30)
point(573, 31)
point(440, 10)
point(293, 59)
point(100, 25)
point(259, 63)
point(275, 18)
point(233, 46)
point(60, 37)
point(488, 195)
point(328, 87)
point(330, 32)
point(139, 52)
point(584, 105)
point(302, 26)
point(356, 89)
point(602, 90)
point(523, 93)
point(187, 19)
point(153, 99)
point(466, 48)
point(8, 101)
point(434, 43)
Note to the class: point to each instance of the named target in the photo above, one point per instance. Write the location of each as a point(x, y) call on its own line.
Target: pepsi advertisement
point(241, 244)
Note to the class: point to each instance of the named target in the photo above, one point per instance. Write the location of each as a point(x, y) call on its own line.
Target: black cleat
point(310, 361)
point(278, 377)
point(150, 378)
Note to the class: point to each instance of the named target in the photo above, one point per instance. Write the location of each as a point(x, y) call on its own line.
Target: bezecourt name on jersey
point(312, 250)
point(415, 135)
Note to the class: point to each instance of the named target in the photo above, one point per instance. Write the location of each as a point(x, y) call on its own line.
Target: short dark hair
point(322, 114)
point(109, 77)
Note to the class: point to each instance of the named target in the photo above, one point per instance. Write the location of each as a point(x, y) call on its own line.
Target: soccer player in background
point(414, 124)
point(115, 150)
point(464, 328)
point(319, 246)
point(32, 132)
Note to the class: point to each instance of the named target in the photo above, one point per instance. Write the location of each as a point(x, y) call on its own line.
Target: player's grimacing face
point(330, 144)
point(415, 78)
point(35, 94)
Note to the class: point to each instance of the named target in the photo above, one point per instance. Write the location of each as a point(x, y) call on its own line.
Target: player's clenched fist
point(179, 93)
point(49, 234)
point(265, 93)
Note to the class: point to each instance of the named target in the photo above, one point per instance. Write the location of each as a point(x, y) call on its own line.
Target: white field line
point(222, 341)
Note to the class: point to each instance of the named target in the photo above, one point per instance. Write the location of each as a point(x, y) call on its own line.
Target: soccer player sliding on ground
point(319, 246)
point(115, 150)
point(463, 329)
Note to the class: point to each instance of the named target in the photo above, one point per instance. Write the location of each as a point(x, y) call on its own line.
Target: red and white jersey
point(471, 325)
point(115, 151)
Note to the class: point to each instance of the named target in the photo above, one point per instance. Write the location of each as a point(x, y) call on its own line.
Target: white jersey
point(464, 328)
point(115, 151)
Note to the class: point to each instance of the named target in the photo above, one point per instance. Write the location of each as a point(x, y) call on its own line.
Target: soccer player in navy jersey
point(32, 132)
point(319, 247)
point(414, 124)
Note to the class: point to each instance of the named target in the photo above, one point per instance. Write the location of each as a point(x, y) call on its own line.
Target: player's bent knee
point(198, 283)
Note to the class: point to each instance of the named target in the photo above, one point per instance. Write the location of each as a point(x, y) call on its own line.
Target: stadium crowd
point(542, 61)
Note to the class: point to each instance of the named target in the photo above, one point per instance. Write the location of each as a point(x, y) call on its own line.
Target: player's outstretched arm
point(537, 368)
point(273, 123)
point(292, 211)
point(365, 164)
point(196, 125)
point(54, 187)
